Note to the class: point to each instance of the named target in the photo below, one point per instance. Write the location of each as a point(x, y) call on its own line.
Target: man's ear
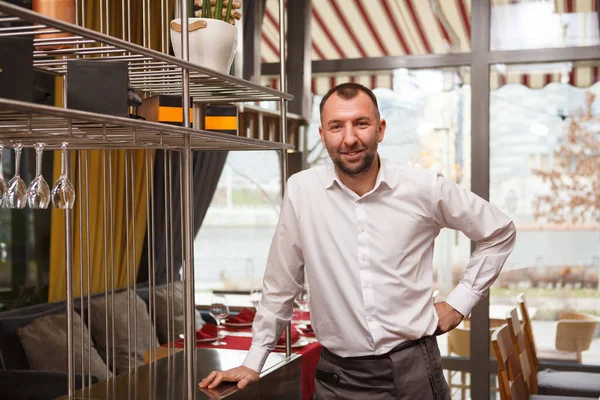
point(382, 126)
point(322, 137)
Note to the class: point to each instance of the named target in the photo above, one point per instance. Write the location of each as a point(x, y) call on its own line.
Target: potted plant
point(212, 33)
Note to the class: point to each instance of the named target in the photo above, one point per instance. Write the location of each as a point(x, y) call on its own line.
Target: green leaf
point(219, 9)
point(206, 13)
point(229, 6)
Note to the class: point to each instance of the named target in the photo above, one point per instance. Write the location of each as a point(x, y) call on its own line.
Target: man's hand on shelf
point(242, 375)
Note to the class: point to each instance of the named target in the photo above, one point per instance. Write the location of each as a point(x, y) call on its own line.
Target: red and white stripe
point(343, 29)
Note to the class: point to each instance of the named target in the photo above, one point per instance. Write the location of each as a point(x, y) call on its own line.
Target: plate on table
point(221, 336)
point(298, 343)
point(234, 325)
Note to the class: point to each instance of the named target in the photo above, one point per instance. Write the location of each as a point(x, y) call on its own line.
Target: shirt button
point(363, 257)
point(366, 285)
point(370, 318)
point(360, 230)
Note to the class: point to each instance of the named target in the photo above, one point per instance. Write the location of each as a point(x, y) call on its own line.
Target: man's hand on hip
point(449, 318)
point(242, 375)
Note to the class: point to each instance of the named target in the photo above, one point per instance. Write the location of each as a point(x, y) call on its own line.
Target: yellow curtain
point(125, 210)
point(117, 245)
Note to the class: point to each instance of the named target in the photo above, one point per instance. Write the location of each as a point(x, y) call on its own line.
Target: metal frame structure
point(151, 72)
point(480, 59)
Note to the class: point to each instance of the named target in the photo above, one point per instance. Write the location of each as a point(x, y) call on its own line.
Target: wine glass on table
point(302, 302)
point(219, 311)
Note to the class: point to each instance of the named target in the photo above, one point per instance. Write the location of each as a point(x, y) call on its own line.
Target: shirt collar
point(331, 176)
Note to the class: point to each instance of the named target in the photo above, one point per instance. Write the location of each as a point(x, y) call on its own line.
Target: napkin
point(208, 331)
point(295, 337)
point(246, 316)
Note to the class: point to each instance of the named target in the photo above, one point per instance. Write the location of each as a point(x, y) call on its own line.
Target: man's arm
point(493, 232)
point(282, 282)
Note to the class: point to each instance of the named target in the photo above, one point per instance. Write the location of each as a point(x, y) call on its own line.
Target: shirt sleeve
point(282, 282)
point(493, 232)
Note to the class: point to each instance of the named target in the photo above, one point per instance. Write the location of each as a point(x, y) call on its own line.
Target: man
point(363, 230)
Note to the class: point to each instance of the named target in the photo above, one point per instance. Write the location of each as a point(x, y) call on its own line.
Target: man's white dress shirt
point(368, 259)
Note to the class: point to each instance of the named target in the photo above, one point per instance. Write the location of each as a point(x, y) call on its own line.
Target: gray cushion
point(12, 353)
point(45, 344)
point(569, 383)
point(99, 329)
point(162, 323)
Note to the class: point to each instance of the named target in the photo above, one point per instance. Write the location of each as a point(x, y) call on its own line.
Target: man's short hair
point(347, 91)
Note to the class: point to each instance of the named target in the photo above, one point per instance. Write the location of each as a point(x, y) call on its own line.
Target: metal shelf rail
point(150, 71)
point(28, 124)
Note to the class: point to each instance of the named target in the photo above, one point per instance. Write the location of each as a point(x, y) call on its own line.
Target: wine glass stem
point(1, 151)
point(38, 162)
point(63, 167)
point(17, 161)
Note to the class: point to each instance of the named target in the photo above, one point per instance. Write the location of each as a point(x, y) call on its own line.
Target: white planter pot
point(212, 42)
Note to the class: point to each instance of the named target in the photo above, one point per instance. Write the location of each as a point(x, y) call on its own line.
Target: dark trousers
point(412, 370)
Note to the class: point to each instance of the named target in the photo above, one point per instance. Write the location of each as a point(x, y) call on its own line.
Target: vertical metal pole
point(123, 20)
point(149, 229)
point(89, 277)
point(79, 193)
point(83, 13)
point(163, 29)
point(101, 12)
point(188, 218)
point(480, 169)
point(107, 17)
point(134, 253)
point(112, 263)
point(283, 128)
point(145, 17)
point(70, 299)
point(168, 215)
point(149, 25)
point(105, 222)
point(129, 20)
point(127, 264)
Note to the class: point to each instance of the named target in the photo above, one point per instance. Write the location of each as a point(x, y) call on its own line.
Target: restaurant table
point(241, 339)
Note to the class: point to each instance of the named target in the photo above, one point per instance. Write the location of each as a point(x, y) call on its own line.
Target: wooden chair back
point(510, 376)
point(575, 332)
point(518, 339)
point(528, 334)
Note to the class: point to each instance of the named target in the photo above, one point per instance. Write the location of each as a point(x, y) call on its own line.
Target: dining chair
point(548, 381)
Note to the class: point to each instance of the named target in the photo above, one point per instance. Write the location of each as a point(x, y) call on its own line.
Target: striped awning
point(342, 29)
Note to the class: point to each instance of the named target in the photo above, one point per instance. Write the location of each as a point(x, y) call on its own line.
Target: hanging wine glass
point(2, 184)
point(16, 191)
point(63, 193)
point(38, 194)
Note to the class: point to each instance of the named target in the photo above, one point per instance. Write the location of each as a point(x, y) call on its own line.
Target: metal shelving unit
point(153, 73)
point(150, 71)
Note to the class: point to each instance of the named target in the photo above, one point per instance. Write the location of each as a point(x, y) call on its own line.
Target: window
point(233, 243)
point(555, 203)
point(527, 24)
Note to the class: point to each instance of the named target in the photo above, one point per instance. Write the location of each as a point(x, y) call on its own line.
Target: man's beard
point(353, 170)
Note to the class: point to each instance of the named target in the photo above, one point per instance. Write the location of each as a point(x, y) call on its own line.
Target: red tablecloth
point(310, 355)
